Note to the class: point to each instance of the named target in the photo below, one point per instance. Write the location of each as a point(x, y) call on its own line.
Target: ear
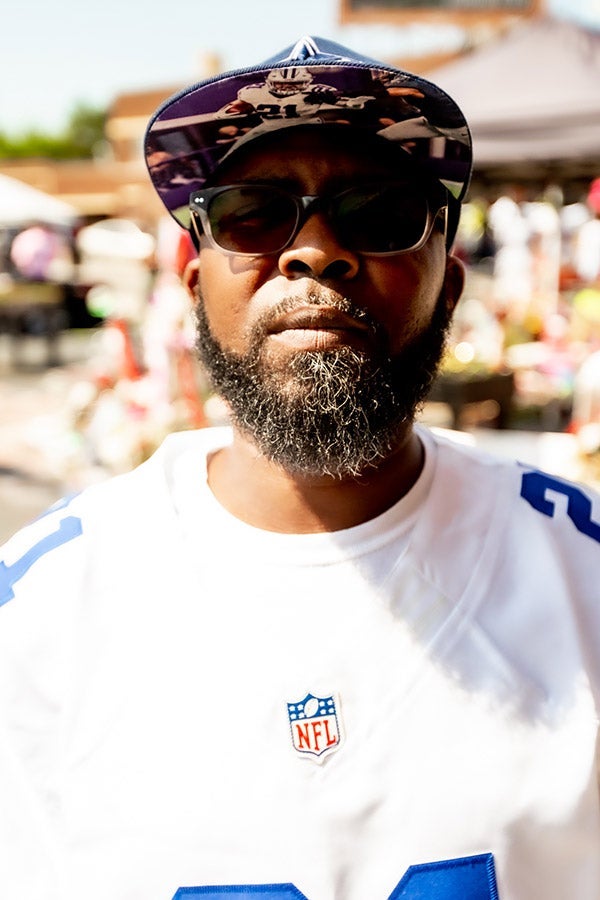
point(189, 278)
point(454, 281)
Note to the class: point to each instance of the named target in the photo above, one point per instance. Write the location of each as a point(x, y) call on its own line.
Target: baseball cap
point(312, 82)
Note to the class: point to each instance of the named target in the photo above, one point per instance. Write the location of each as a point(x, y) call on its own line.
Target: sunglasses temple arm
point(195, 230)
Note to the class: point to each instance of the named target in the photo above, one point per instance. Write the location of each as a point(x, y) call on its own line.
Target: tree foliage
point(81, 138)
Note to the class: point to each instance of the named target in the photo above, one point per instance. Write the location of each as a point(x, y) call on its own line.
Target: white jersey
point(191, 707)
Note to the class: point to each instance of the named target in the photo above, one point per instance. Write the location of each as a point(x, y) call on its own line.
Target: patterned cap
point(315, 81)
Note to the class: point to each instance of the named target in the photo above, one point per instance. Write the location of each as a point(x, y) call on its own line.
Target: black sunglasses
point(375, 219)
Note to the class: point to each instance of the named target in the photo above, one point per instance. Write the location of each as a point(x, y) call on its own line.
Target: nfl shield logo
point(315, 726)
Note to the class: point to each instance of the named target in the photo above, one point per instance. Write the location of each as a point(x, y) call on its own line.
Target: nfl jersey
point(191, 707)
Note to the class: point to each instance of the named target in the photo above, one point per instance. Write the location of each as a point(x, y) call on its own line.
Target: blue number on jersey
point(467, 878)
point(579, 507)
point(240, 891)
point(69, 528)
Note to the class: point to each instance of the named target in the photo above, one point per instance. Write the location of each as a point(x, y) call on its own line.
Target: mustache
point(323, 297)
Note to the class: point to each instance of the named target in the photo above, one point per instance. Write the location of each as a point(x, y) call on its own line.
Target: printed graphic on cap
point(315, 726)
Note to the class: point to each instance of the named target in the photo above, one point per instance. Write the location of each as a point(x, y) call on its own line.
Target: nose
point(317, 252)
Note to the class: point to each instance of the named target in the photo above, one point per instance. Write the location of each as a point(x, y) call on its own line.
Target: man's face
point(323, 354)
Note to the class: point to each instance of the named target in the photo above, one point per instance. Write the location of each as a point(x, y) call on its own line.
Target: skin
point(400, 292)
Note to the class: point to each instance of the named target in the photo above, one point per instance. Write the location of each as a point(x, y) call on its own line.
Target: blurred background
point(96, 344)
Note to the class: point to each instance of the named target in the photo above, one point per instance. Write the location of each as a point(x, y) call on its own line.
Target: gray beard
point(334, 412)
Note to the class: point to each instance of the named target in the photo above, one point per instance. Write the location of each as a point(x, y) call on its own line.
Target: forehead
point(318, 152)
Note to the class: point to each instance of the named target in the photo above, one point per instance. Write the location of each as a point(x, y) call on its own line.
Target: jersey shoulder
point(97, 528)
point(495, 512)
point(516, 551)
point(525, 493)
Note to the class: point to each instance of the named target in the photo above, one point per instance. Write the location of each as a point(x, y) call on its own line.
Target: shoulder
point(102, 527)
point(490, 506)
point(52, 546)
point(571, 505)
point(516, 552)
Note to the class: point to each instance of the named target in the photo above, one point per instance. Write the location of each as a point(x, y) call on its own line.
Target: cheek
point(406, 290)
point(226, 286)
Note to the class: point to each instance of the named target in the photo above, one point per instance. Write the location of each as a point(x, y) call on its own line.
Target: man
point(322, 654)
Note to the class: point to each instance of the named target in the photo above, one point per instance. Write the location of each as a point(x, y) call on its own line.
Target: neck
point(261, 493)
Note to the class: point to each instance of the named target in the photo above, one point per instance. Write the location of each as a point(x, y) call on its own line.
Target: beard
point(334, 412)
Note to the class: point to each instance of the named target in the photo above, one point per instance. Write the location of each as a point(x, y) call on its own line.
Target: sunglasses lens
point(253, 219)
point(381, 218)
point(262, 219)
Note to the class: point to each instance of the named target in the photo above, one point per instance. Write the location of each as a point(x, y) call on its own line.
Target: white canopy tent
point(532, 98)
point(21, 205)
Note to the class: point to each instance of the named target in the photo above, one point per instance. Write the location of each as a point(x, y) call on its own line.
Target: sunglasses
point(378, 219)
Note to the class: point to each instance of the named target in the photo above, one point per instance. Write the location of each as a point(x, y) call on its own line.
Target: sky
point(54, 55)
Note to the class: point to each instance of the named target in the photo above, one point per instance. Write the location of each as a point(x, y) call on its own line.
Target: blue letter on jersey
point(470, 878)
point(69, 528)
point(467, 878)
point(579, 507)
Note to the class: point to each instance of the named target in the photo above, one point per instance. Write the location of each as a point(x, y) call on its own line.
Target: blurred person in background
point(42, 253)
point(587, 245)
point(322, 652)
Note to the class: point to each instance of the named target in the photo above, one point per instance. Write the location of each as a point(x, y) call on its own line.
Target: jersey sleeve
point(38, 570)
